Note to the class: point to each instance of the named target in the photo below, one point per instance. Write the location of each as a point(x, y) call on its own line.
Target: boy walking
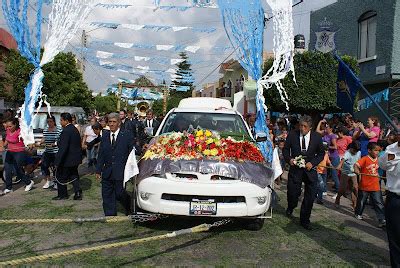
point(348, 177)
point(369, 184)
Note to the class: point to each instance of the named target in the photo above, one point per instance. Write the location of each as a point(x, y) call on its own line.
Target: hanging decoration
point(158, 60)
point(282, 18)
point(159, 6)
point(244, 24)
point(159, 47)
point(64, 20)
point(157, 28)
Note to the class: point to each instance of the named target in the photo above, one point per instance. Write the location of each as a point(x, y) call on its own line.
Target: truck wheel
point(253, 224)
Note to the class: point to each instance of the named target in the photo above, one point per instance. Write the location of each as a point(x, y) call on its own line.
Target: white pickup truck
point(202, 193)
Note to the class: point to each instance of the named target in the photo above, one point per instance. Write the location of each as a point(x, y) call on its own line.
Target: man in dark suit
point(68, 159)
point(126, 124)
point(115, 148)
point(151, 125)
point(308, 144)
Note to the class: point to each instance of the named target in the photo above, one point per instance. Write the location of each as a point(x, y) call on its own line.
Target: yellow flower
point(199, 133)
point(214, 152)
point(209, 141)
point(206, 152)
point(217, 143)
point(208, 133)
point(148, 154)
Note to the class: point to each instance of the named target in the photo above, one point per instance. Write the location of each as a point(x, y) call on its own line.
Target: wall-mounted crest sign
point(325, 37)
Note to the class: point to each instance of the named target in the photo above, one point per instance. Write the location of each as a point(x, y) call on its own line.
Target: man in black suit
point(126, 124)
point(308, 144)
point(68, 159)
point(115, 148)
point(151, 125)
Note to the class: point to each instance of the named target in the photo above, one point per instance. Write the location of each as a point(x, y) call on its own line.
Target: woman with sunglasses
point(51, 135)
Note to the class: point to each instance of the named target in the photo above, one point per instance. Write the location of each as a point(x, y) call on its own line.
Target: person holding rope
point(347, 176)
point(369, 184)
point(308, 144)
point(51, 134)
point(68, 158)
point(390, 162)
point(15, 157)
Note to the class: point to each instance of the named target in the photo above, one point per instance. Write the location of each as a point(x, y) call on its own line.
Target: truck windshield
point(225, 124)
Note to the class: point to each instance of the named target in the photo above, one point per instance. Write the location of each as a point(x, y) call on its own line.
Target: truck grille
point(218, 199)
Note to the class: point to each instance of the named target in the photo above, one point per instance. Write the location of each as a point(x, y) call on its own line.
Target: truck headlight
point(144, 196)
point(261, 200)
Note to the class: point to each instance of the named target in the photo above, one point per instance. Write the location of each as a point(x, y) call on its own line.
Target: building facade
point(368, 30)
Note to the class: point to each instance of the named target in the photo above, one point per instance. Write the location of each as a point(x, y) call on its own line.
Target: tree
point(183, 78)
point(157, 107)
point(63, 83)
point(105, 104)
point(18, 70)
point(315, 91)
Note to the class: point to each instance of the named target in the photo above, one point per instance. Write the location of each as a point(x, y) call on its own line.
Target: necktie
point(303, 144)
point(148, 123)
point(113, 140)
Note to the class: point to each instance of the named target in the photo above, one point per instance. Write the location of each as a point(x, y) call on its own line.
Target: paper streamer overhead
point(157, 28)
point(282, 17)
point(159, 47)
point(244, 25)
point(65, 18)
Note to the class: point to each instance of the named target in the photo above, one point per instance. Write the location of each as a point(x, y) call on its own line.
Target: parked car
point(205, 193)
point(40, 120)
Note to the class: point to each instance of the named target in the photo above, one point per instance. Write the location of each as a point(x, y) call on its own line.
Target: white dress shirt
point(149, 123)
point(307, 138)
point(392, 168)
point(115, 135)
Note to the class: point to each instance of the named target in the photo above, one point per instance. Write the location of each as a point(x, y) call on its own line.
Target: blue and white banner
point(378, 97)
point(159, 47)
point(138, 27)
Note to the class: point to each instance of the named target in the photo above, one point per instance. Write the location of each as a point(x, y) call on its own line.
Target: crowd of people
point(359, 159)
point(363, 160)
point(19, 163)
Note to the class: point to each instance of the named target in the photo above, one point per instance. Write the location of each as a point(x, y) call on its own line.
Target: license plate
point(200, 207)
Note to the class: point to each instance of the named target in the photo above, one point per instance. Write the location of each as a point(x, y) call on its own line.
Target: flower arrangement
point(202, 144)
point(300, 161)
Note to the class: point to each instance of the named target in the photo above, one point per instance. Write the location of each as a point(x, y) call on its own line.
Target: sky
point(143, 12)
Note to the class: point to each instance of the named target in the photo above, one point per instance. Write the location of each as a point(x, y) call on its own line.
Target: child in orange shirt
point(369, 184)
point(321, 171)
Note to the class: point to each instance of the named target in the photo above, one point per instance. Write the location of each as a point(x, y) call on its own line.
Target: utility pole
point(165, 99)
point(119, 96)
point(83, 51)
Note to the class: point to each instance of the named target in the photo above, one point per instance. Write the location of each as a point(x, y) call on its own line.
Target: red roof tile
point(7, 40)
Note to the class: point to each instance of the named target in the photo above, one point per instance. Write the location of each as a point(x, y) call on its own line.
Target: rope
point(361, 174)
point(112, 219)
point(196, 229)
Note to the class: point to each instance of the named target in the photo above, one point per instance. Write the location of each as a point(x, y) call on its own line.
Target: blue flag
point(134, 94)
point(346, 87)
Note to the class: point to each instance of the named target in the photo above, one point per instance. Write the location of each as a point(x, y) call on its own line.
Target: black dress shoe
point(78, 195)
point(307, 226)
point(60, 197)
point(289, 213)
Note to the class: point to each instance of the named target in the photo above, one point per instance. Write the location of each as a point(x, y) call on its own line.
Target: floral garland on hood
point(202, 144)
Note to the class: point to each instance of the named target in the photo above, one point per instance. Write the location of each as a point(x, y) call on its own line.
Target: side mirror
point(261, 136)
